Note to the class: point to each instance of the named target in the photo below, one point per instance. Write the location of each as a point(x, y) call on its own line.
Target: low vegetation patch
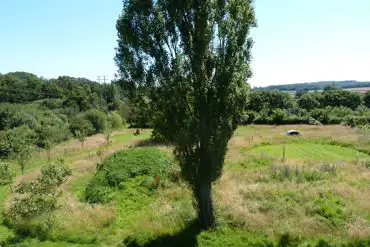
point(303, 173)
point(148, 167)
point(329, 208)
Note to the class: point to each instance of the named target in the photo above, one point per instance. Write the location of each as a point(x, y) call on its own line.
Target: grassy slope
point(253, 209)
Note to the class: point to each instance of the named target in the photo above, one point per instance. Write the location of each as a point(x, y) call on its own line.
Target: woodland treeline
point(39, 113)
point(45, 112)
point(320, 85)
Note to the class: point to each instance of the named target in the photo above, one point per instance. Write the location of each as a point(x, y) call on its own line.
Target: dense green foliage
point(331, 106)
point(78, 93)
point(30, 209)
point(191, 59)
point(149, 164)
point(6, 174)
point(367, 99)
point(54, 110)
point(318, 85)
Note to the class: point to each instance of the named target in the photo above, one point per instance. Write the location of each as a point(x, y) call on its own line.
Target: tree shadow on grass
point(185, 238)
point(150, 143)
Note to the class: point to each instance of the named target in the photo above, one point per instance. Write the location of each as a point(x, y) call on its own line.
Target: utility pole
point(102, 78)
point(104, 93)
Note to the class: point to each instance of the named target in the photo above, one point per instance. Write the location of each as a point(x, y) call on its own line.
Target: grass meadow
point(276, 190)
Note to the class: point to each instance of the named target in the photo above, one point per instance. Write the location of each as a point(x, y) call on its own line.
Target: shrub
point(79, 123)
point(6, 174)
point(277, 116)
point(147, 163)
point(31, 210)
point(52, 103)
point(5, 148)
point(39, 196)
point(248, 117)
point(115, 120)
point(321, 115)
point(356, 121)
point(97, 118)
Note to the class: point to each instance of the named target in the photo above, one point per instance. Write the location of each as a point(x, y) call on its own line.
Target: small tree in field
point(39, 196)
point(81, 136)
point(22, 141)
point(48, 145)
point(6, 175)
point(23, 155)
point(45, 139)
point(108, 132)
point(191, 59)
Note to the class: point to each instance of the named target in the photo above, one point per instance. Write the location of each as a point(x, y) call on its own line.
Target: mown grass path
point(311, 151)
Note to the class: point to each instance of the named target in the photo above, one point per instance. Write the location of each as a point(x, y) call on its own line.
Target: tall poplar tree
point(191, 58)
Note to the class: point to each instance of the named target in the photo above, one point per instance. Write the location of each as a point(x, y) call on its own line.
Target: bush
point(80, 124)
point(38, 197)
point(52, 103)
point(97, 118)
point(278, 116)
point(115, 120)
point(5, 148)
point(356, 121)
point(321, 115)
point(6, 174)
point(248, 117)
point(148, 163)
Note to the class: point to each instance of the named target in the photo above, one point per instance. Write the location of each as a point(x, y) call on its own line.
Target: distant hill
point(317, 85)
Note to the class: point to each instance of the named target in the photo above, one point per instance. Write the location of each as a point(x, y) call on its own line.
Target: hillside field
point(362, 90)
point(276, 190)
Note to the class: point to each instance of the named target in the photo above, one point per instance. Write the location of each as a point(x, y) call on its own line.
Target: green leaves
point(21, 141)
point(191, 59)
point(39, 196)
point(81, 136)
point(121, 167)
point(6, 174)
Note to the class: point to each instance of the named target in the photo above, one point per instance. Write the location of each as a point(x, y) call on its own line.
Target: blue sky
point(296, 40)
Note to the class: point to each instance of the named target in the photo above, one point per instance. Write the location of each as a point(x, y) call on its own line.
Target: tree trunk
point(205, 209)
point(49, 154)
point(22, 168)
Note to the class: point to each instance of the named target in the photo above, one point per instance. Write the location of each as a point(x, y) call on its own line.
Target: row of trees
point(331, 106)
point(318, 85)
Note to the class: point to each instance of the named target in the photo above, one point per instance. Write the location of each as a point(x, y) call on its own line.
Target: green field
point(311, 151)
point(317, 196)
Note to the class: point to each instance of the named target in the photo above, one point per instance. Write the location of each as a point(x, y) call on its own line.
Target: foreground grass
point(259, 200)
